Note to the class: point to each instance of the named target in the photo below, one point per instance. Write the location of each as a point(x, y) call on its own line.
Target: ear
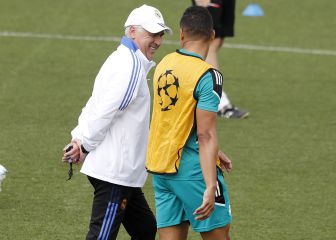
point(181, 35)
point(213, 35)
point(132, 32)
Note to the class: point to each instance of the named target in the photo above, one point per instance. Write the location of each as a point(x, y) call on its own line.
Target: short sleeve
point(209, 91)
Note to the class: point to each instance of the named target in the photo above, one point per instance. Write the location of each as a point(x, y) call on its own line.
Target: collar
point(185, 52)
point(130, 44)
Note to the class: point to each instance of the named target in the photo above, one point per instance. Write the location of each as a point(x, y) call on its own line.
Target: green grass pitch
point(283, 182)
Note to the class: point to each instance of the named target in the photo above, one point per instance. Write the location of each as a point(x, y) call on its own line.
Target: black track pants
point(115, 204)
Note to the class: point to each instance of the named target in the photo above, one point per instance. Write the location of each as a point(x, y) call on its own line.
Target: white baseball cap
point(149, 18)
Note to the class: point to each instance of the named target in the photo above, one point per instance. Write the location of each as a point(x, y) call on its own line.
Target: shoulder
point(168, 56)
point(210, 84)
point(121, 60)
point(214, 78)
point(215, 75)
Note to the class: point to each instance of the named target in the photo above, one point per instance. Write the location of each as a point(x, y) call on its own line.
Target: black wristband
point(84, 150)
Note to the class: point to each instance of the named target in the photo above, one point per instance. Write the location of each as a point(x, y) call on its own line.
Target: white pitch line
point(283, 49)
point(170, 42)
point(58, 36)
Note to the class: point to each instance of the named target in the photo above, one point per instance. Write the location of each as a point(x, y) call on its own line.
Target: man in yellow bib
point(183, 148)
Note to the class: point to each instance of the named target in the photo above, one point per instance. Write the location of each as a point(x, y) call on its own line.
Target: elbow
point(205, 137)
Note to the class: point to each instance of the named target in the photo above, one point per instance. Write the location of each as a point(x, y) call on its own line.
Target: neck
point(199, 47)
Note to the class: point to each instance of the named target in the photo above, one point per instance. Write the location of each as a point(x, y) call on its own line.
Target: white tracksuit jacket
point(114, 124)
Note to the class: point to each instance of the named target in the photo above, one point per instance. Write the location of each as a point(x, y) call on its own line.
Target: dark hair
point(197, 22)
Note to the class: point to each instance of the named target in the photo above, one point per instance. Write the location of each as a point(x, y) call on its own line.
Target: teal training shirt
point(208, 100)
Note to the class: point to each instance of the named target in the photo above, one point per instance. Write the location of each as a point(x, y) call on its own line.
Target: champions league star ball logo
point(168, 86)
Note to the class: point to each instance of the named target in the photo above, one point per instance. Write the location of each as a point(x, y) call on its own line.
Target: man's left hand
point(225, 162)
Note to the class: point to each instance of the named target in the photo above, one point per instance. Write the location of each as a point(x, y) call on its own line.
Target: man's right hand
point(72, 155)
point(208, 205)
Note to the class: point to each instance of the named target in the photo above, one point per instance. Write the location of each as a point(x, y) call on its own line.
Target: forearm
point(94, 131)
point(94, 122)
point(208, 154)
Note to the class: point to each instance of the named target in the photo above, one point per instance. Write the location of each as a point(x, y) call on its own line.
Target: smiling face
point(147, 42)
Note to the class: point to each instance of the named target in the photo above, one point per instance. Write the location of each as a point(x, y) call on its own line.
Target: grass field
point(283, 183)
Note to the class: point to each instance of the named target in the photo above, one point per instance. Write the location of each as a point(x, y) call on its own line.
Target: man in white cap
point(112, 132)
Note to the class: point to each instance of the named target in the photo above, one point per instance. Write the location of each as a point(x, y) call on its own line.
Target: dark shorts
point(223, 17)
point(114, 205)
